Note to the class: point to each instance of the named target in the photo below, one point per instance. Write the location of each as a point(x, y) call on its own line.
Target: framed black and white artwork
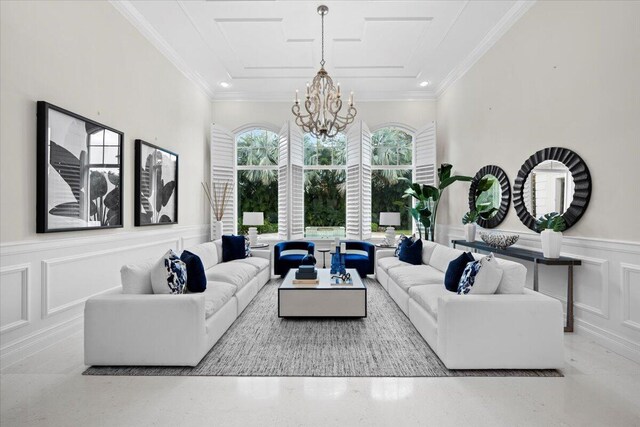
point(79, 172)
point(156, 200)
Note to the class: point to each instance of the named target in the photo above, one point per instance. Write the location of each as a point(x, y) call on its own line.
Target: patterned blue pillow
point(169, 275)
point(247, 247)
point(468, 277)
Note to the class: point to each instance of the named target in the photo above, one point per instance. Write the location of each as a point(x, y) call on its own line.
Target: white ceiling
point(265, 50)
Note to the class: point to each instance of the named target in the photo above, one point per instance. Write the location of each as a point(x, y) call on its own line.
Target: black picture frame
point(505, 195)
point(581, 178)
point(77, 188)
point(163, 209)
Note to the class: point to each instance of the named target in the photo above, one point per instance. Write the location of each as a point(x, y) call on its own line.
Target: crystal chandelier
point(323, 102)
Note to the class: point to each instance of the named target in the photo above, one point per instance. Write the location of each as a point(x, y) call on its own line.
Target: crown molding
point(287, 97)
point(505, 23)
point(126, 8)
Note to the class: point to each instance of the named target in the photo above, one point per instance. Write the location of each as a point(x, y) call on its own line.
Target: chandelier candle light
point(323, 102)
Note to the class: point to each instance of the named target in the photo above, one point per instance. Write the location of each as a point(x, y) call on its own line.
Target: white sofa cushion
point(416, 275)
point(136, 278)
point(260, 264)
point(427, 250)
point(514, 276)
point(442, 256)
point(391, 262)
point(427, 297)
point(238, 274)
point(208, 253)
point(216, 295)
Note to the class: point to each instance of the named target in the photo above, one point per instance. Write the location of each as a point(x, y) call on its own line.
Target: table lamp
point(253, 218)
point(390, 219)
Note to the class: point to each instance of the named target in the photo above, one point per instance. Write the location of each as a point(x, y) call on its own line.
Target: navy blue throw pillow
point(454, 271)
point(233, 247)
point(196, 279)
point(411, 252)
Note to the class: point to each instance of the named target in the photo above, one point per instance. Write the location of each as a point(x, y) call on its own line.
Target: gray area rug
point(385, 344)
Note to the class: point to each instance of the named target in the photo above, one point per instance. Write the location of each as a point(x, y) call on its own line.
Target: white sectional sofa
point(515, 328)
point(172, 330)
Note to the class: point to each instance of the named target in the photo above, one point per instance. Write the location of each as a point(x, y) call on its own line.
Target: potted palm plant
point(428, 197)
point(550, 226)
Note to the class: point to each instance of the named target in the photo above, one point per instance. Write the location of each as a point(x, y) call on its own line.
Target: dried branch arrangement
point(218, 195)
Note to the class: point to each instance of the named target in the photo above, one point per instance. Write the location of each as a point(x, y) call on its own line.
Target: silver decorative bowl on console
point(499, 240)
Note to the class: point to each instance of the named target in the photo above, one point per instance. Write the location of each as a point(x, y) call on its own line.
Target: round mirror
point(490, 196)
point(552, 180)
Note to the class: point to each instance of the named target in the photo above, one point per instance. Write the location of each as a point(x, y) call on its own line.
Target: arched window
point(325, 186)
point(391, 160)
point(257, 169)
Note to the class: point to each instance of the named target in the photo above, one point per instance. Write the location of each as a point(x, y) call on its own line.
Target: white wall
point(234, 114)
point(87, 58)
point(566, 74)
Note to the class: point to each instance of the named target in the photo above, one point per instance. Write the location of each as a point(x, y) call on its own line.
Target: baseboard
point(38, 341)
point(608, 340)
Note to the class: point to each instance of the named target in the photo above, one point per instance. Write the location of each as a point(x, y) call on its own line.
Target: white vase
point(551, 243)
point(470, 232)
point(218, 229)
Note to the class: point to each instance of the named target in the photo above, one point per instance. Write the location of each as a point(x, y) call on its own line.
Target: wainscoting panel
point(630, 280)
point(46, 282)
point(14, 297)
point(606, 286)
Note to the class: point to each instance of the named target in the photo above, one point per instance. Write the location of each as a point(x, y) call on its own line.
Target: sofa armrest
point(500, 331)
point(144, 330)
point(385, 253)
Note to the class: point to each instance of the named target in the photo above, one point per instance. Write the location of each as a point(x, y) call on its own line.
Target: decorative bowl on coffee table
point(499, 240)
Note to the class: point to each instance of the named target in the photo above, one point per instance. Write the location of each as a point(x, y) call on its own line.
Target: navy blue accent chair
point(364, 263)
point(283, 263)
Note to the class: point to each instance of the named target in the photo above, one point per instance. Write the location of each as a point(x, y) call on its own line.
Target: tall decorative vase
point(218, 229)
point(551, 243)
point(470, 232)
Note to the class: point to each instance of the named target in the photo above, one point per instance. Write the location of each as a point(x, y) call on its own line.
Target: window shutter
point(283, 183)
point(290, 184)
point(424, 160)
point(297, 182)
point(358, 182)
point(424, 171)
point(223, 169)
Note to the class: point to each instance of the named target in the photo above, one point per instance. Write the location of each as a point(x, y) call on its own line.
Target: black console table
point(537, 258)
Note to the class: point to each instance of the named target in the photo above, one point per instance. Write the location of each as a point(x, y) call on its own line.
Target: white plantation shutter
point(297, 181)
point(223, 169)
point(424, 160)
point(359, 182)
point(283, 183)
point(425, 155)
point(290, 183)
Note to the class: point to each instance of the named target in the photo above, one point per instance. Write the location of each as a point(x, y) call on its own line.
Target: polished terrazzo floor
point(600, 388)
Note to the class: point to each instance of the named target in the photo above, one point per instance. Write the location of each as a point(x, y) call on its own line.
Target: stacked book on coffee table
point(306, 275)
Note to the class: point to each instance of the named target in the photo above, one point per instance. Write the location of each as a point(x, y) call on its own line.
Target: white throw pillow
point(488, 278)
point(480, 277)
point(136, 278)
point(169, 275)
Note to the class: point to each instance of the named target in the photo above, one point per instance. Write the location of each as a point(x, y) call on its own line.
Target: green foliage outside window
point(258, 187)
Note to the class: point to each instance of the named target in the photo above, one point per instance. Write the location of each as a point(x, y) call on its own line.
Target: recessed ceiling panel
point(267, 49)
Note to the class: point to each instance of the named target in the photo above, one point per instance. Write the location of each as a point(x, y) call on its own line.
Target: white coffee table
point(323, 299)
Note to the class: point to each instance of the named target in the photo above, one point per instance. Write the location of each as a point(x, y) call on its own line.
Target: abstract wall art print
point(79, 172)
point(156, 186)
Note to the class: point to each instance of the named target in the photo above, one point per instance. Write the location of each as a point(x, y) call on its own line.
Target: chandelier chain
point(322, 20)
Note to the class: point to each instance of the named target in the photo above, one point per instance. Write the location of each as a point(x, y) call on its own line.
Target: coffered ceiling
point(264, 50)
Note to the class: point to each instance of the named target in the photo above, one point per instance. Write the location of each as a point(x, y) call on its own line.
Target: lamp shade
point(253, 218)
point(389, 218)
